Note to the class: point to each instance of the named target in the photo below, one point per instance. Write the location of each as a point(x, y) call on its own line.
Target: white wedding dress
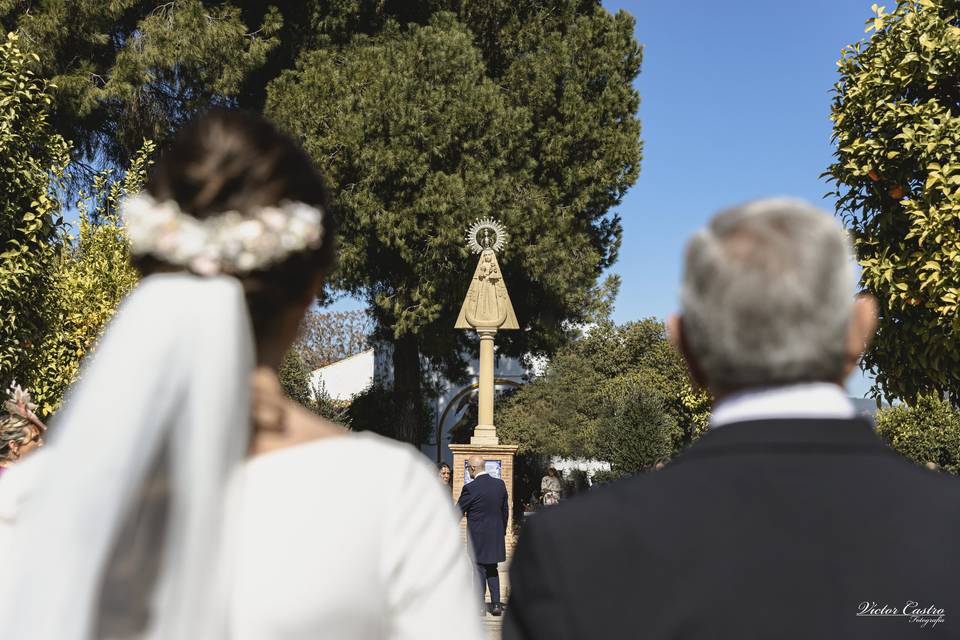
point(348, 537)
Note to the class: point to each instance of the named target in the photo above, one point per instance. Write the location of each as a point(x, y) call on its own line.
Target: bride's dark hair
point(229, 160)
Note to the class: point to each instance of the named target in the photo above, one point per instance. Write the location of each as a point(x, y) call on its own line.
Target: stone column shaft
point(486, 432)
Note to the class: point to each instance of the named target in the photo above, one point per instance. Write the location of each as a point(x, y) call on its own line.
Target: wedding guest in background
point(551, 487)
point(183, 495)
point(21, 431)
point(484, 503)
point(790, 518)
point(446, 477)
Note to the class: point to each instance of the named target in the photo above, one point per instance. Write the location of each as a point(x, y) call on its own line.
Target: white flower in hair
point(228, 242)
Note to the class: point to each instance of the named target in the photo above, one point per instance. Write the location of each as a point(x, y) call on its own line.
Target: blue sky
point(735, 103)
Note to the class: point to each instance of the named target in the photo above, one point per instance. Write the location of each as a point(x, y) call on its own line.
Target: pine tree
point(135, 69)
point(421, 138)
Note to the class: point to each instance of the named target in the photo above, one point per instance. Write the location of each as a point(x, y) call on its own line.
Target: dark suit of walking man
point(790, 519)
point(484, 503)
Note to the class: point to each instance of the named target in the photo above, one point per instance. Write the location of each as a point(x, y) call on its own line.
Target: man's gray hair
point(767, 296)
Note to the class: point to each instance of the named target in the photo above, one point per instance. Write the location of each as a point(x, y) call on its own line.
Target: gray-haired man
point(790, 518)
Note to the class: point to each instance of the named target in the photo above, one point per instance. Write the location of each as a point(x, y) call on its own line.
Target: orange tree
point(896, 125)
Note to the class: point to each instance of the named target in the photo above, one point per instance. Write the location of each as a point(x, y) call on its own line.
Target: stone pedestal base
point(504, 453)
point(484, 436)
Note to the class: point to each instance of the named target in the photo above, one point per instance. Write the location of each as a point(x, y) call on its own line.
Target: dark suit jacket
point(484, 502)
point(776, 529)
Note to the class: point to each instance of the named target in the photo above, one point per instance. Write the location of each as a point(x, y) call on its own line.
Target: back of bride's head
point(233, 215)
point(233, 195)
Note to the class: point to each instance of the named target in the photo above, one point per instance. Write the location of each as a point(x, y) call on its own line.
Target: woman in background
point(21, 431)
point(446, 477)
point(550, 487)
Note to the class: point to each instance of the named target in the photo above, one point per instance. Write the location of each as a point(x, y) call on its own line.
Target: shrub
point(295, 379)
point(564, 411)
point(330, 408)
point(32, 160)
point(639, 431)
point(87, 280)
point(604, 476)
point(927, 431)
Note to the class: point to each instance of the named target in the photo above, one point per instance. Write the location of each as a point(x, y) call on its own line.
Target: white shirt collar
point(482, 473)
point(808, 400)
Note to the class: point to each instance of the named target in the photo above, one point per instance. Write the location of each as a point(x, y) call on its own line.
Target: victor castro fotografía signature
point(924, 616)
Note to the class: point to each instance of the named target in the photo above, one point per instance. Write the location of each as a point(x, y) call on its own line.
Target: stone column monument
point(486, 310)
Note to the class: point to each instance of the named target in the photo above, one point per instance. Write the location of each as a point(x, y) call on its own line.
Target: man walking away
point(484, 503)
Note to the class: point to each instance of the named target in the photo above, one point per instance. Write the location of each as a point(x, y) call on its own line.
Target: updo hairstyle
point(229, 160)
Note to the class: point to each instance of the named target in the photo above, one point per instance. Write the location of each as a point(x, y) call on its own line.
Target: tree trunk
point(409, 425)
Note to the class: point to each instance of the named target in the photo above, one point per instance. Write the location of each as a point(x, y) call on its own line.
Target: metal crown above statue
point(487, 305)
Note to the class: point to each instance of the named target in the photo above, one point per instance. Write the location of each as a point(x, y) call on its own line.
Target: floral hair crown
point(227, 243)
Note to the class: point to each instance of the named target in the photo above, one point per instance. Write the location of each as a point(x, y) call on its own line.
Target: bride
point(182, 495)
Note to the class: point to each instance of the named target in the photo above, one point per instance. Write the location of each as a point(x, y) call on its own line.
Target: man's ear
point(863, 327)
point(678, 339)
point(674, 329)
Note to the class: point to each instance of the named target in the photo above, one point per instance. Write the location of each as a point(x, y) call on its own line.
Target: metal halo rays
point(486, 233)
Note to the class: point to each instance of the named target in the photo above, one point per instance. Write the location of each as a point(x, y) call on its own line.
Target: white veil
point(164, 402)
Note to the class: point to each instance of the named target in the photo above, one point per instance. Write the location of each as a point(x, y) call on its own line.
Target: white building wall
point(346, 378)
